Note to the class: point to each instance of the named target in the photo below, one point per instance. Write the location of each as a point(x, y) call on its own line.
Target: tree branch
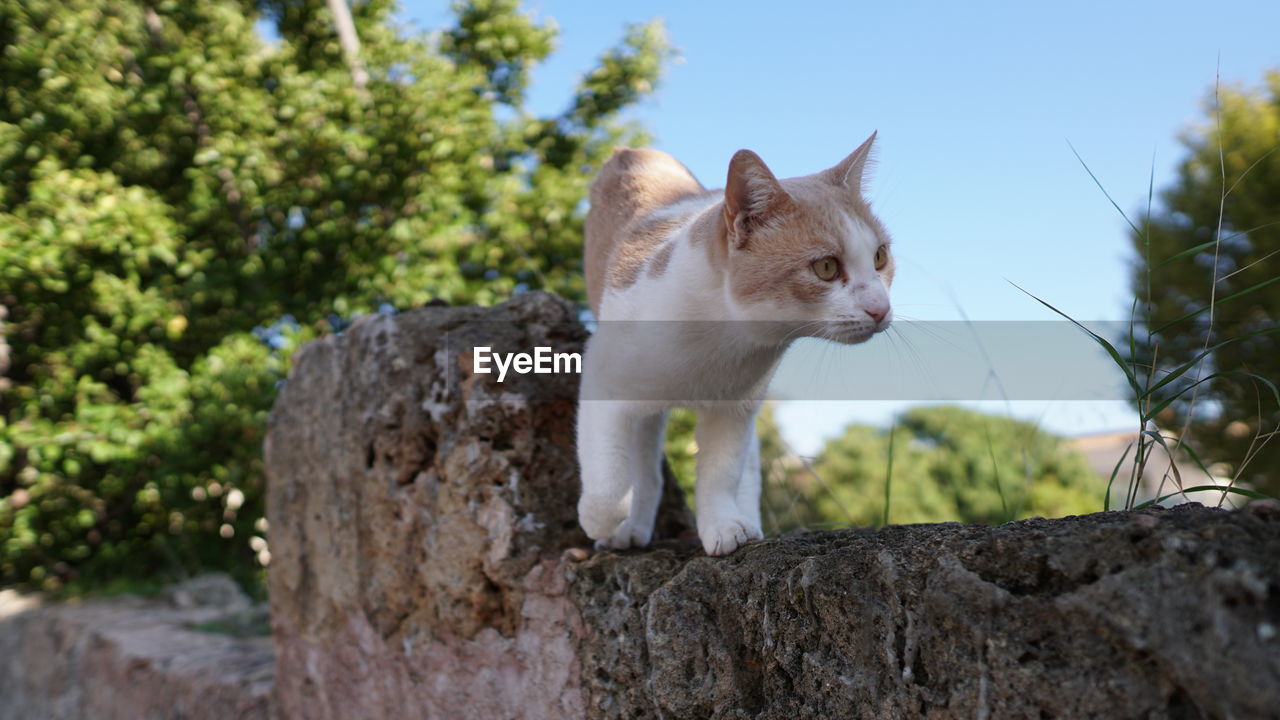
point(350, 41)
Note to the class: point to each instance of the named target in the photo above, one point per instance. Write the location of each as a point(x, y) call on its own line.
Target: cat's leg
point(602, 460)
point(749, 485)
point(620, 455)
point(722, 446)
point(645, 469)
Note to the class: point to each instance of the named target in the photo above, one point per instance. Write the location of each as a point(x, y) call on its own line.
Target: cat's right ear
point(751, 196)
point(848, 172)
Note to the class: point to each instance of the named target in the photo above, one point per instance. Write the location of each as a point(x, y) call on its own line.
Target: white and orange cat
point(698, 294)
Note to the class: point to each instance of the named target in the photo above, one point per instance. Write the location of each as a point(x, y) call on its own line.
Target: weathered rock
point(1163, 613)
point(417, 513)
point(426, 561)
point(131, 659)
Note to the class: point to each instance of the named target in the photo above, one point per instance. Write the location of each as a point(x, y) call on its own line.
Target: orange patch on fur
point(636, 243)
point(658, 264)
point(631, 185)
point(709, 230)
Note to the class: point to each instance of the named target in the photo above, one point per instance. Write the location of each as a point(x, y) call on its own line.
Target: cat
point(698, 294)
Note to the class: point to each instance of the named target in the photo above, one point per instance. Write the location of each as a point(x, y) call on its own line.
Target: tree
point(949, 464)
point(1214, 241)
point(182, 201)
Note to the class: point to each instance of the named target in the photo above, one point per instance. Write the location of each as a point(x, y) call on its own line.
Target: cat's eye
point(826, 269)
point(882, 257)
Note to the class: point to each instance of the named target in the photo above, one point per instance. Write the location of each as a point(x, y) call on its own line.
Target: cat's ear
point(849, 171)
point(751, 196)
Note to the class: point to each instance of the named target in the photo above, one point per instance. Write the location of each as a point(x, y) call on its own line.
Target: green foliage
point(1223, 211)
point(682, 449)
point(182, 202)
point(949, 464)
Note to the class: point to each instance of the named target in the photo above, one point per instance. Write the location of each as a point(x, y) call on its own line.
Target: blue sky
point(975, 104)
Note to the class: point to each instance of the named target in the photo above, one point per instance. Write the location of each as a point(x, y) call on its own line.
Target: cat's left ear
point(752, 195)
point(849, 171)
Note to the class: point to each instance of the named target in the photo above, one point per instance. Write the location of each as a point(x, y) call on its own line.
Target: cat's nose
point(877, 314)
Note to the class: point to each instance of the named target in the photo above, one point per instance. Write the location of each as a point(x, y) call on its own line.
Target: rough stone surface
point(1162, 613)
point(426, 562)
point(131, 659)
point(418, 511)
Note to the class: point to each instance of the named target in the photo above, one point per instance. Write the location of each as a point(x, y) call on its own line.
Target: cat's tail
point(631, 184)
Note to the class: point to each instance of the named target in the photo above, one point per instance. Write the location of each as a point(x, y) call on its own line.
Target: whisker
point(917, 359)
point(931, 329)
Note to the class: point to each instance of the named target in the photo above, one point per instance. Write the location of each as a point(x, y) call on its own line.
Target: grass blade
point(1189, 251)
point(1253, 494)
point(1177, 475)
point(1169, 400)
point(1211, 243)
point(888, 477)
point(1111, 350)
point(1103, 189)
point(1182, 369)
point(1214, 304)
point(1106, 500)
point(995, 466)
point(1180, 446)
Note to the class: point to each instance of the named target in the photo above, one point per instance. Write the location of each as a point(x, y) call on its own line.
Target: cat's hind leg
point(619, 454)
point(749, 485)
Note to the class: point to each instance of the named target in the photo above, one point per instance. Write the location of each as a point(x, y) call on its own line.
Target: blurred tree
point(946, 461)
point(182, 201)
point(1229, 184)
point(949, 464)
point(682, 449)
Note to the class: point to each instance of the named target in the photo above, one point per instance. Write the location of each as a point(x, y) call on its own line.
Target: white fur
point(664, 342)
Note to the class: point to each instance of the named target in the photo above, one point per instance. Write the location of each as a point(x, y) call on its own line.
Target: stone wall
point(418, 515)
point(426, 562)
point(1157, 614)
point(175, 656)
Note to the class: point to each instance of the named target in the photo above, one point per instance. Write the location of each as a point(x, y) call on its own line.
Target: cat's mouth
point(850, 331)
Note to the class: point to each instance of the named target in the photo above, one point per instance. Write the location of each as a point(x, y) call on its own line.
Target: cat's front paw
point(722, 535)
point(601, 516)
point(628, 535)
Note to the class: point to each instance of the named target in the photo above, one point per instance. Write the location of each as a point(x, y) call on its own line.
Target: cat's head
point(807, 251)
